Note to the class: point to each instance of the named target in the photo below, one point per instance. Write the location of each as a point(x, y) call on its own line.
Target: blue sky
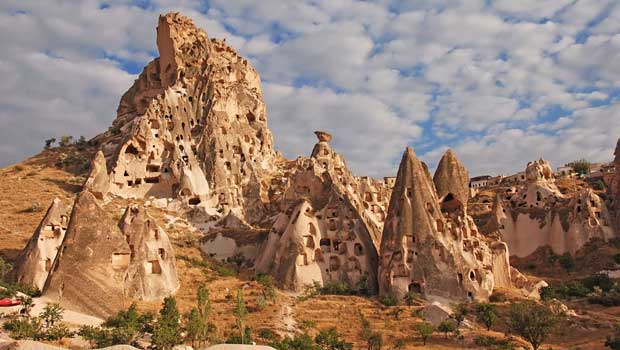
point(501, 82)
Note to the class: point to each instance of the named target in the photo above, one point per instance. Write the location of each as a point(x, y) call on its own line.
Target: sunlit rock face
point(34, 264)
point(193, 126)
point(431, 247)
point(539, 215)
point(330, 224)
point(101, 265)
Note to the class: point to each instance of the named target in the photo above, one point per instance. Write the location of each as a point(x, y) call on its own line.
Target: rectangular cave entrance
point(153, 267)
point(120, 260)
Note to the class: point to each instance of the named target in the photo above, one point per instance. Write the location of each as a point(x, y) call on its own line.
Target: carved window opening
point(358, 249)
point(325, 244)
point(460, 278)
point(152, 180)
point(162, 253)
point(194, 201)
point(131, 149)
point(472, 276)
point(334, 263)
point(48, 265)
point(415, 287)
point(153, 267)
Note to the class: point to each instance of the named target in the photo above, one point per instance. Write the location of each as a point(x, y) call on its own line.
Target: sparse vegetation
point(487, 314)
point(447, 326)
point(388, 300)
point(534, 322)
point(329, 339)
point(425, 330)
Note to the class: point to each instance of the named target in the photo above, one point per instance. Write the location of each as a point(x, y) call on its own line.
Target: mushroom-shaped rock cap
point(451, 176)
point(323, 136)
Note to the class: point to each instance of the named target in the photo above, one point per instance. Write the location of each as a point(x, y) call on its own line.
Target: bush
point(299, 342)
point(329, 339)
point(497, 297)
point(447, 326)
point(567, 262)
point(335, 288)
point(580, 166)
point(494, 343)
point(388, 300)
point(600, 280)
point(425, 330)
point(534, 322)
point(486, 314)
point(26, 328)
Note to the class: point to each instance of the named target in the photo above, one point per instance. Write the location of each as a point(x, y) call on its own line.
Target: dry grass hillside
point(28, 188)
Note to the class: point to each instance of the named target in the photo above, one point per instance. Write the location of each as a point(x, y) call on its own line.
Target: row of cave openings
point(121, 260)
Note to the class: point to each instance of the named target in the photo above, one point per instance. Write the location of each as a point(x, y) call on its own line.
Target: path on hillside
point(286, 325)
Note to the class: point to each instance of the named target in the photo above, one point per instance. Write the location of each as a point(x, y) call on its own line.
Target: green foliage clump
point(487, 314)
point(580, 166)
point(447, 326)
point(494, 343)
point(123, 328)
point(460, 312)
point(425, 330)
point(329, 339)
point(388, 300)
point(298, 342)
point(534, 322)
point(24, 328)
point(167, 332)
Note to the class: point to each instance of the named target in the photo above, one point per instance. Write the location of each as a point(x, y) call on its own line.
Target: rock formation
point(615, 187)
point(35, 262)
point(423, 251)
point(193, 126)
point(330, 224)
point(451, 177)
point(100, 267)
point(539, 215)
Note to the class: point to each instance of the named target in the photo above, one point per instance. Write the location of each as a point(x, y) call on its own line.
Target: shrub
point(410, 298)
point(580, 166)
point(497, 297)
point(447, 326)
point(49, 142)
point(335, 288)
point(567, 262)
point(486, 314)
point(425, 330)
point(534, 322)
point(494, 343)
point(25, 328)
point(299, 342)
point(329, 339)
point(600, 280)
point(65, 140)
point(388, 300)
point(460, 312)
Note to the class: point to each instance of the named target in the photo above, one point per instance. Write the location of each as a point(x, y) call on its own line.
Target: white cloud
point(501, 81)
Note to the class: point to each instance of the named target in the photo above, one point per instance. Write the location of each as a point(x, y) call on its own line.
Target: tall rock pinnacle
point(424, 252)
point(452, 177)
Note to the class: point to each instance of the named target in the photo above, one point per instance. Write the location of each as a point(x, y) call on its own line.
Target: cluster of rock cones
point(192, 134)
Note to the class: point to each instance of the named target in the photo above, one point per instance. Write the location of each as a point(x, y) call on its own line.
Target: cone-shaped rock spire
point(423, 252)
point(452, 177)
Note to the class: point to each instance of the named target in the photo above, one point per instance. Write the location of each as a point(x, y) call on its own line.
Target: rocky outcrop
point(151, 272)
point(452, 178)
point(98, 181)
point(193, 126)
point(328, 226)
point(34, 263)
point(539, 215)
point(422, 251)
point(615, 188)
point(100, 268)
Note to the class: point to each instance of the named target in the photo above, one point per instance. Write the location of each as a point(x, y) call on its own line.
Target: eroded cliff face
point(539, 215)
point(330, 223)
point(193, 126)
point(430, 247)
point(615, 188)
point(101, 267)
point(34, 264)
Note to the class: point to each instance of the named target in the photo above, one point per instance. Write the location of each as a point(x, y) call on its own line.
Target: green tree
point(446, 326)
point(487, 314)
point(567, 262)
point(425, 330)
point(166, 333)
point(580, 166)
point(410, 298)
point(81, 143)
point(460, 312)
point(65, 141)
point(51, 314)
point(241, 313)
point(195, 326)
point(49, 142)
point(27, 304)
point(329, 339)
point(534, 322)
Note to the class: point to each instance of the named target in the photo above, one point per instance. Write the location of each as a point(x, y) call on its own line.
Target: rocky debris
point(539, 215)
point(35, 261)
point(451, 177)
point(435, 313)
point(329, 224)
point(423, 251)
point(101, 267)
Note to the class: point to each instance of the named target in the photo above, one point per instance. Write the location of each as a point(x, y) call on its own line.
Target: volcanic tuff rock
point(330, 224)
point(422, 251)
point(615, 187)
point(100, 267)
point(539, 215)
point(452, 177)
point(193, 126)
point(35, 261)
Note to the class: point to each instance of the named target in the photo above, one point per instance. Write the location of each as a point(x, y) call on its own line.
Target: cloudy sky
point(501, 82)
